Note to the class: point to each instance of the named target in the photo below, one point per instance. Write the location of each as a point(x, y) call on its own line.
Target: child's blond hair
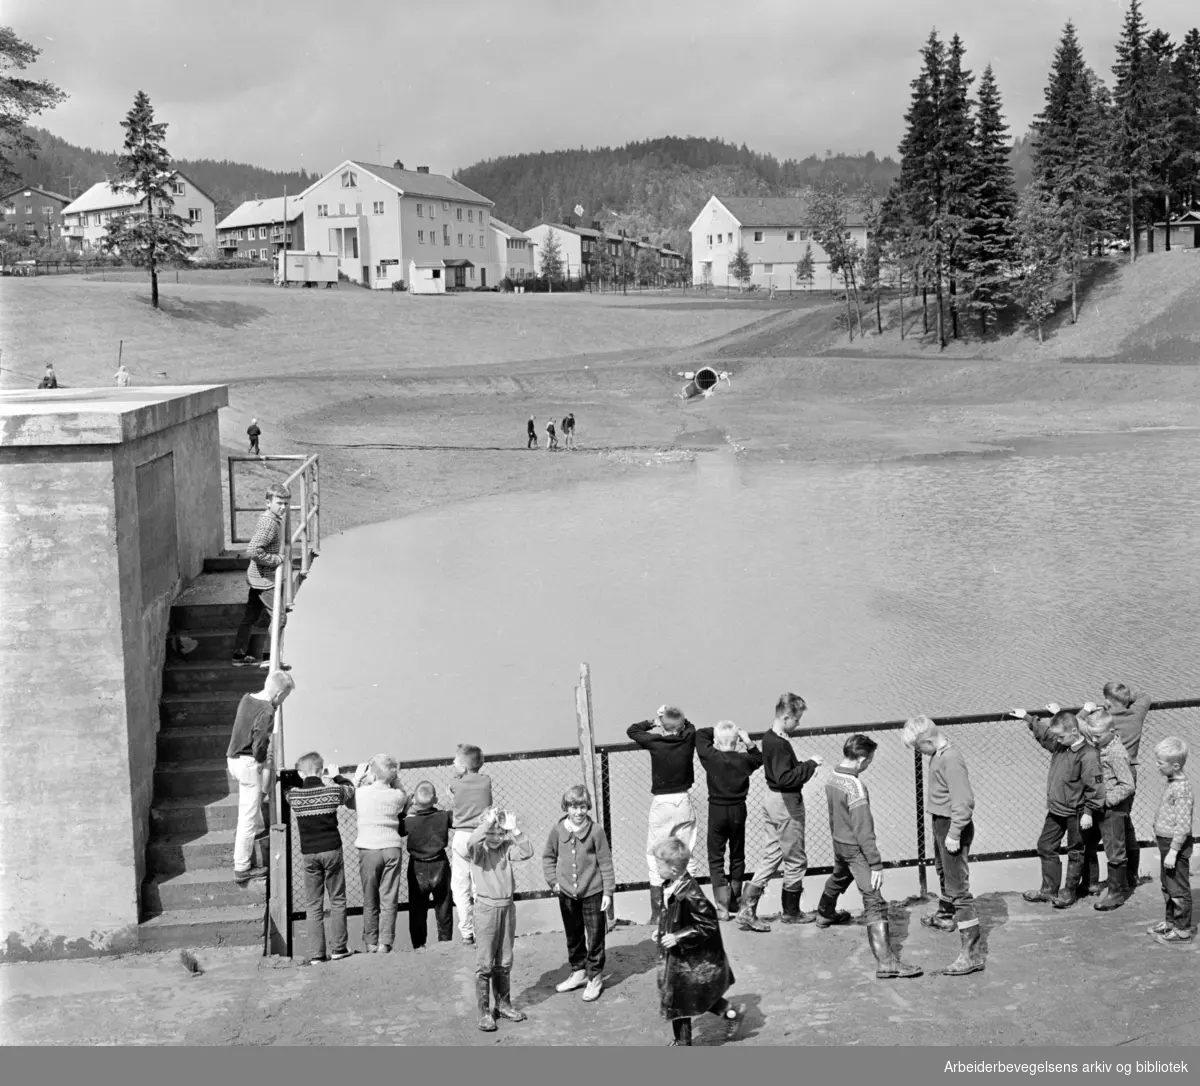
point(725, 735)
point(310, 764)
point(425, 795)
point(384, 769)
point(672, 851)
point(470, 756)
point(1172, 749)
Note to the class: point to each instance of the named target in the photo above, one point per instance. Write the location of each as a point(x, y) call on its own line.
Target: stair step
point(211, 677)
point(188, 710)
point(216, 645)
point(202, 616)
point(234, 925)
point(175, 853)
point(194, 743)
point(233, 561)
point(195, 778)
point(171, 815)
point(203, 889)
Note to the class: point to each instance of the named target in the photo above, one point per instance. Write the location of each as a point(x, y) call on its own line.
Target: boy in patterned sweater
point(856, 856)
point(1173, 831)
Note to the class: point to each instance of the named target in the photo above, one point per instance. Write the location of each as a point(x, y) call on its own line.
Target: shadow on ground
point(222, 314)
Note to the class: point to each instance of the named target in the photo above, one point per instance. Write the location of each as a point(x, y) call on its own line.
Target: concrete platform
point(1053, 978)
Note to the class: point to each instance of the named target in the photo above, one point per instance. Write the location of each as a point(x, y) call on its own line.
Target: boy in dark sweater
point(428, 833)
point(671, 741)
point(856, 856)
point(1128, 709)
point(315, 804)
point(783, 815)
point(1074, 799)
point(729, 759)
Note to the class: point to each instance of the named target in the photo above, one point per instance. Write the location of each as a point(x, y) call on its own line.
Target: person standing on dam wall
point(263, 552)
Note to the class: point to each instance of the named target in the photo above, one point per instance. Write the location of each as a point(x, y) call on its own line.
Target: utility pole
point(378, 151)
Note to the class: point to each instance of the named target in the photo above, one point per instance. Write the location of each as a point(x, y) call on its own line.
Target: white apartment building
point(512, 252)
point(774, 234)
point(86, 219)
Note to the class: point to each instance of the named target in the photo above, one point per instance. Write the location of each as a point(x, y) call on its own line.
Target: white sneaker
point(594, 987)
point(576, 980)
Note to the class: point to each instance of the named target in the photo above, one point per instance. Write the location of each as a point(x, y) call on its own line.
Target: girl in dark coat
point(693, 972)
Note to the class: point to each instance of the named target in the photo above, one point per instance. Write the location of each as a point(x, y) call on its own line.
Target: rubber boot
point(746, 918)
point(889, 965)
point(970, 959)
point(943, 919)
point(721, 894)
point(828, 915)
point(1067, 898)
point(1118, 891)
point(483, 995)
point(682, 1030)
point(501, 985)
point(735, 895)
point(791, 909)
point(656, 905)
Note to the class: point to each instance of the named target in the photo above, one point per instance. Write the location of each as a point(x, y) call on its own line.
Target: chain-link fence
point(1007, 768)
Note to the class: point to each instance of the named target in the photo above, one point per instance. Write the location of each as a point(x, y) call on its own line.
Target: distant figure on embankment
point(123, 376)
point(49, 380)
point(253, 433)
point(531, 430)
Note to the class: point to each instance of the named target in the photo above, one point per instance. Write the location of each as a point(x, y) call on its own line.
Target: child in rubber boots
point(578, 866)
point(856, 857)
point(1074, 800)
point(491, 849)
point(693, 972)
point(1118, 785)
point(1173, 832)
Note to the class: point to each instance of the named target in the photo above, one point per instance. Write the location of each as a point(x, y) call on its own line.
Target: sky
point(312, 82)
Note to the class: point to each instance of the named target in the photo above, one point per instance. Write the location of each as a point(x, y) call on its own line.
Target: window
point(349, 179)
point(758, 235)
point(459, 210)
point(710, 239)
point(446, 233)
point(377, 207)
point(95, 220)
point(341, 209)
point(178, 188)
point(768, 269)
point(241, 235)
point(9, 209)
point(445, 205)
point(29, 209)
point(262, 254)
point(471, 216)
point(719, 238)
point(460, 241)
point(471, 240)
point(420, 214)
point(195, 214)
point(433, 211)
point(322, 211)
point(481, 241)
point(791, 235)
point(420, 237)
point(358, 209)
point(47, 211)
point(472, 273)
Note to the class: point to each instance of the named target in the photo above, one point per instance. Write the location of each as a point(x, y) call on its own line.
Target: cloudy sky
point(290, 83)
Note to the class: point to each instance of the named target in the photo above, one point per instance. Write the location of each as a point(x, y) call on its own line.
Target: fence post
point(232, 506)
point(919, 784)
point(279, 902)
point(587, 753)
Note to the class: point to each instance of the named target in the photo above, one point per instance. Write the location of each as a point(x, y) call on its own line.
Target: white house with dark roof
point(255, 230)
point(773, 230)
point(378, 220)
point(512, 252)
point(86, 218)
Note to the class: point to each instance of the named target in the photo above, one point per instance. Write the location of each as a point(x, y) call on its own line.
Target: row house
point(774, 233)
point(86, 219)
point(32, 213)
point(377, 220)
point(256, 230)
point(577, 244)
point(512, 252)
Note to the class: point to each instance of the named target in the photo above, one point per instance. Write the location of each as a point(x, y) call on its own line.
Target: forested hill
point(655, 187)
point(59, 164)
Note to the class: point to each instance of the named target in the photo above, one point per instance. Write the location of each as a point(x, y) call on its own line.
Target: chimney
point(422, 169)
point(397, 165)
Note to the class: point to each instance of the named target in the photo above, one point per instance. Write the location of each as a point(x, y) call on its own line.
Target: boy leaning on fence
point(1074, 799)
point(950, 802)
point(380, 802)
point(1113, 830)
point(471, 795)
point(1173, 833)
point(263, 552)
point(1128, 709)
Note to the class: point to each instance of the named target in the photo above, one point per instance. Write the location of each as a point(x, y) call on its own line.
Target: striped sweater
point(850, 818)
point(1175, 810)
point(315, 805)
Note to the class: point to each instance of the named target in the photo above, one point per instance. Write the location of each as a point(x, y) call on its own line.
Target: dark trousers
point(1177, 884)
point(325, 872)
point(850, 866)
point(532, 442)
point(681, 1028)
point(1113, 831)
point(726, 825)
point(259, 603)
point(254, 444)
point(429, 881)
point(586, 926)
point(953, 869)
point(1053, 830)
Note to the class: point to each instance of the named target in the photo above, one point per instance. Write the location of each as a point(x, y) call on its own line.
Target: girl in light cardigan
point(381, 802)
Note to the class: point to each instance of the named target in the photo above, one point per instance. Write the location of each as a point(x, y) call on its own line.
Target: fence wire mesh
point(1006, 765)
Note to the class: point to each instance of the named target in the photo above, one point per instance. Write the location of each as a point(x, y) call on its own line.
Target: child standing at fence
point(729, 768)
point(492, 847)
point(856, 857)
point(380, 801)
point(315, 804)
point(693, 972)
point(1128, 709)
point(1074, 799)
point(1117, 777)
point(1173, 832)
point(471, 795)
point(578, 866)
point(671, 741)
point(428, 832)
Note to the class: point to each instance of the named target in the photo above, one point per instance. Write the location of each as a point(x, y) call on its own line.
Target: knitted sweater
point(783, 770)
point(671, 770)
point(428, 833)
point(380, 809)
point(1074, 782)
point(1116, 771)
point(728, 771)
point(850, 819)
point(950, 793)
point(1175, 810)
point(580, 863)
point(315, 805)
point(491, 868)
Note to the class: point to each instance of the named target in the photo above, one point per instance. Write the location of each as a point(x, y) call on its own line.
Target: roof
point(255, 212)
point(36, 188)
point(427, 263)
point(411, 183)
point(1188, 218)
point(582, 231)
point(753, 211)
point(504, 228)
point(457, 262)
point(102, 196)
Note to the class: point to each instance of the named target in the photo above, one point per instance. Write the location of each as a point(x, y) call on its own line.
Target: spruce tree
point(552, 264)
point(991, 238)
point(1039, 246)
point(1187, 75)
point(956, 152)
point(154, 235)
point(806, 270)
point(1133, 121)
point(739, 267)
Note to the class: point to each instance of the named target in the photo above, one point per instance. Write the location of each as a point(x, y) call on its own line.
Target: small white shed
point(426, 277)
point(306, 267)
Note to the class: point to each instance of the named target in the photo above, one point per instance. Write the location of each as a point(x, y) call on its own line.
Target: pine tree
point(805, 268)
point(1187, 75)
point(20, 99)
point(991, 240)
point(1133, 127)
point(154, 235)
point(739, 267)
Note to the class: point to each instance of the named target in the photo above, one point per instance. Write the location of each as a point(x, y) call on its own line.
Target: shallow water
point(950, 585)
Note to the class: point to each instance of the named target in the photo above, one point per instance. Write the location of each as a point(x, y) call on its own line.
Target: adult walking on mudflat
point(950, 802)
point(531, 432)
point(783, 814)
point(263, 552)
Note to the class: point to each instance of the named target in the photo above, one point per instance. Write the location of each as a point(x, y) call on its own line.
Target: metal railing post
point(316, 469)
point(919, 785)
point(304, 523)
point(232, 504)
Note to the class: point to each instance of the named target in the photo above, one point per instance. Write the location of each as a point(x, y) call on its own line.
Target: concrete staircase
point(189, 897)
